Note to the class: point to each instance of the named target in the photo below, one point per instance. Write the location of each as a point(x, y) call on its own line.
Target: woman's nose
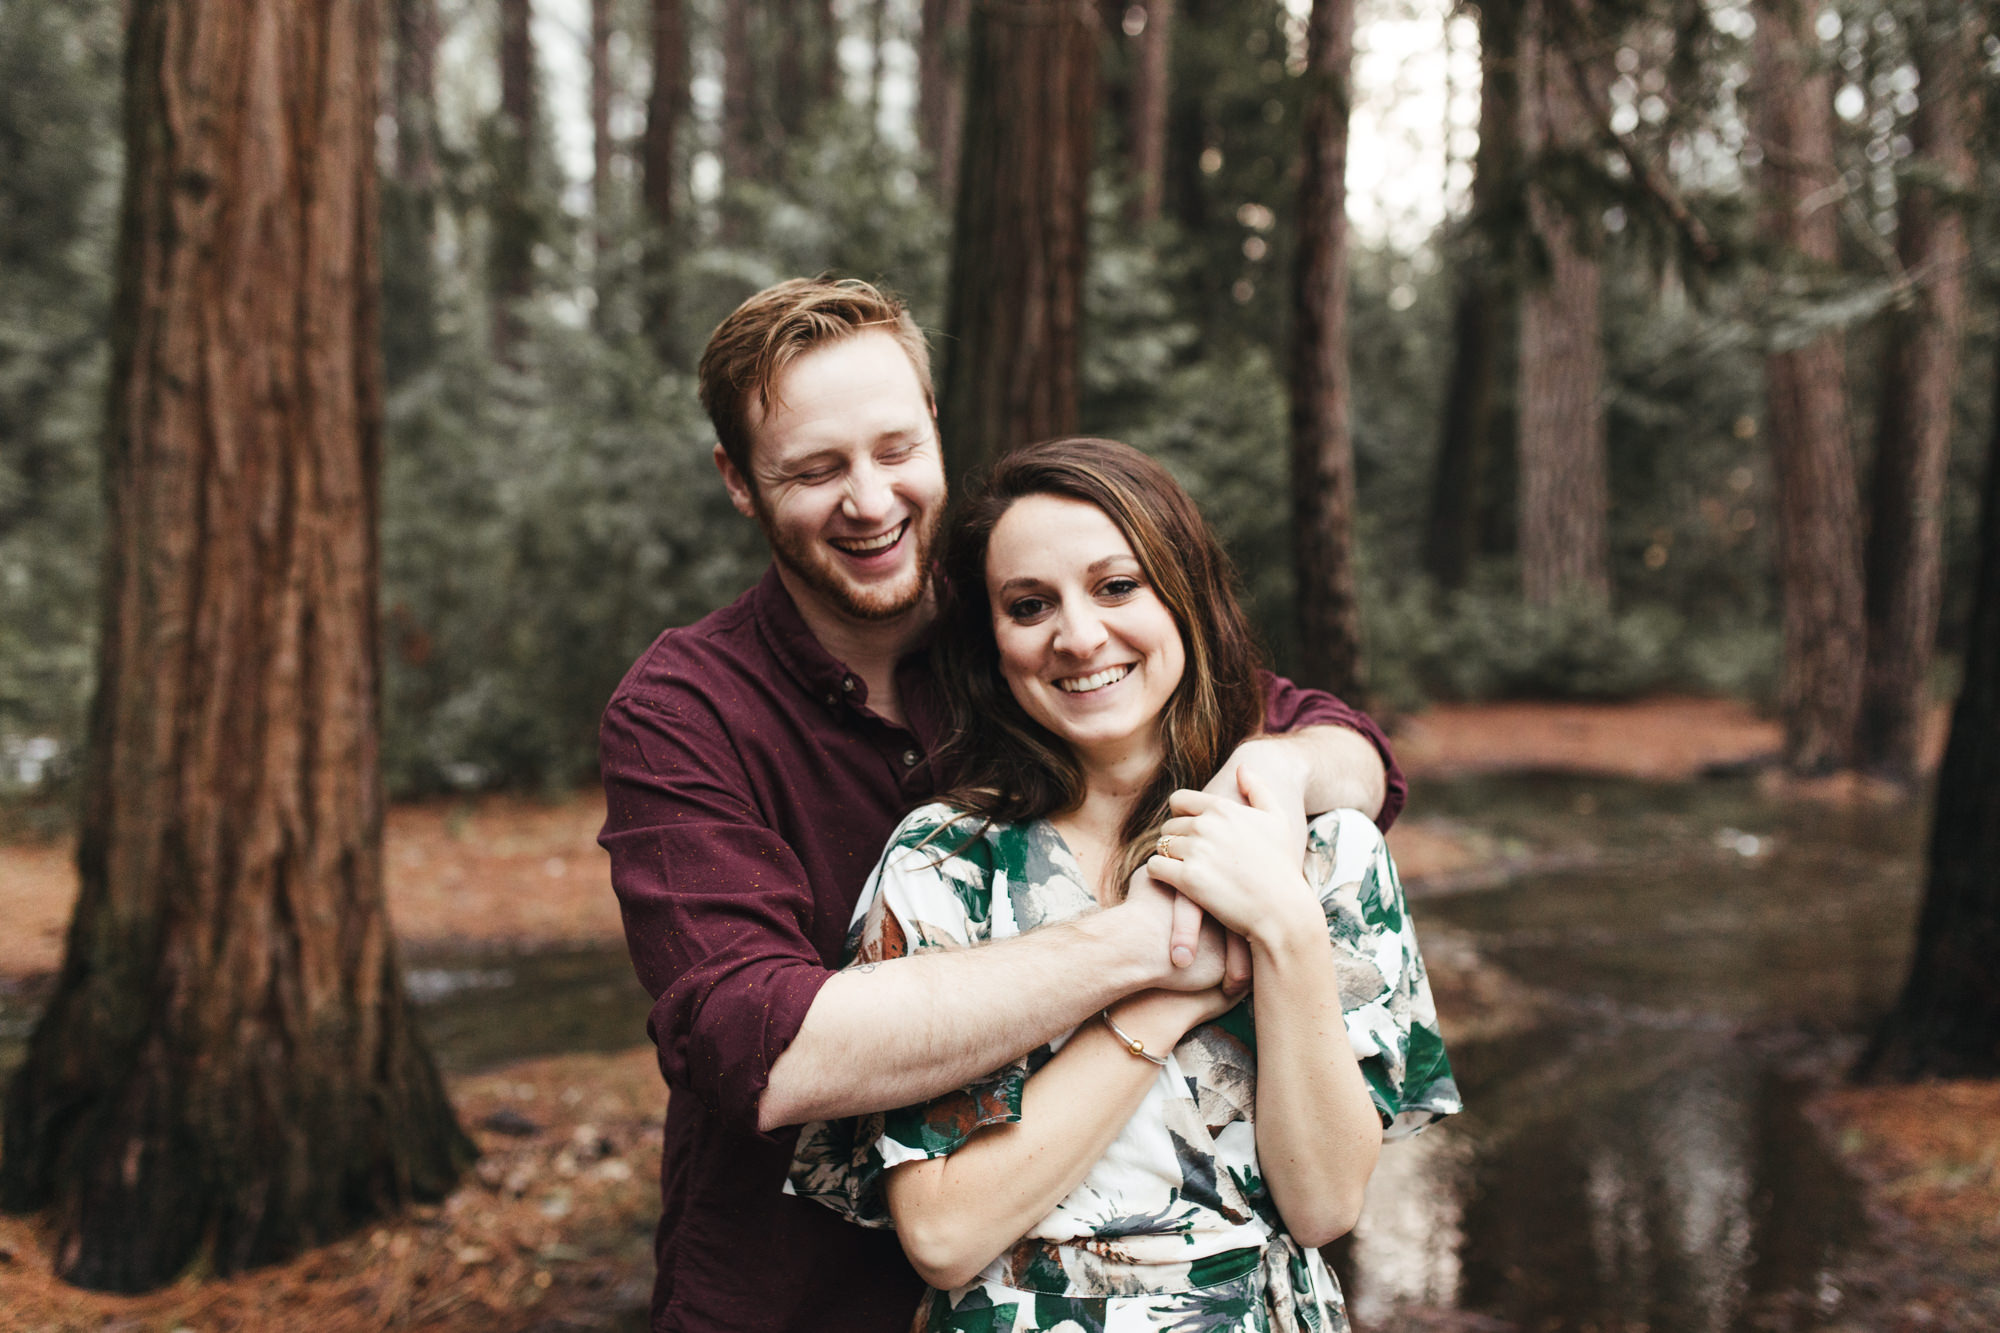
point(1079, 632)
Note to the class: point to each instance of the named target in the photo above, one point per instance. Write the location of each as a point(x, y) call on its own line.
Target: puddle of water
point(1640, 1161)
point(478, 1010)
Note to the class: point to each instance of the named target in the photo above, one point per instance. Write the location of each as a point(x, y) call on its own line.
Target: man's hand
point(1158, 909)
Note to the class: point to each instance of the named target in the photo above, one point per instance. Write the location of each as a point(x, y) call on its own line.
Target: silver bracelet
point(1132, 1044)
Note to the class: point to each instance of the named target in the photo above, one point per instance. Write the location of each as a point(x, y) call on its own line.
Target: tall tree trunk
point(940, 89)
point(739, 96)
point(1017, 257)
point(516, 224)
point(878, 40)
point(601, 147)
point(1472, 413)
point(1913, 436)
point(1564, 493)
point(227, 1071)
point(1946, 1024)
point(1329, 614)
point(415, 81)
point(794, 91)
point(409, 203)
point(826, 68)
point(659, 172)
point(1819, 544)
point(1148, 132)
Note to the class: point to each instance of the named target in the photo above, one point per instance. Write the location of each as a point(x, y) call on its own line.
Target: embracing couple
point(1011, 932)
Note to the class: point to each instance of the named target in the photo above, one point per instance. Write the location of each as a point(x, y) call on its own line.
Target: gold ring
point(1160, 847)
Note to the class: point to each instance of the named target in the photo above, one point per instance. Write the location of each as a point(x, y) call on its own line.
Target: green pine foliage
point(59, 163)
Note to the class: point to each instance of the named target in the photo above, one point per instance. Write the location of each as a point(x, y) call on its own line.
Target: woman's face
point(1086, 645)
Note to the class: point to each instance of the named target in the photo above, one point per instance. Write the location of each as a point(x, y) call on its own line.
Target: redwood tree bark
point(1329, 615)
point(228, 1070)
point(1819, 544)
point(1913, 431)
point(1473, 412)
point(1564, 492)
point(659, 173)
point(1148, 126)
point(1946, 1024)
point(515, 221)
point(941, 40)
point(1017, 261)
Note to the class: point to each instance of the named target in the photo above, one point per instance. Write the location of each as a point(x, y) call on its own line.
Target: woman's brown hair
point(1003, 764)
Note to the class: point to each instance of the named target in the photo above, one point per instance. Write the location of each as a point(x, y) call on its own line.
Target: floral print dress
point(1173, 1228)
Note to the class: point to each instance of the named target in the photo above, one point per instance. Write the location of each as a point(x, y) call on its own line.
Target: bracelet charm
point(1129, 1042)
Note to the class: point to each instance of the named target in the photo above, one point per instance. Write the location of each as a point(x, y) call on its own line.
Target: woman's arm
point(955, 1213)
point(1318, 1133)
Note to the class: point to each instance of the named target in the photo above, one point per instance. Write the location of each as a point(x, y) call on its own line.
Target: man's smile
point(867, 546)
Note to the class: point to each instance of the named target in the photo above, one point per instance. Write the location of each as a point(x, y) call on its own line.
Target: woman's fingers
point(1189, 802)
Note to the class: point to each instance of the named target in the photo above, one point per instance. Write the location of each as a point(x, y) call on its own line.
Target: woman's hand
point(1239, 862)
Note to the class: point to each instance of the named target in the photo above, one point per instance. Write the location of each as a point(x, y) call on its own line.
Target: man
point(754, 764)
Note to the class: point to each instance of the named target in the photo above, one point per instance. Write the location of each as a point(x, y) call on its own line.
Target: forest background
point(548, 501)
point(1676, 376)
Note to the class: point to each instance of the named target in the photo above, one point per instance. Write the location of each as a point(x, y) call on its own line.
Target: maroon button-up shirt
point(749, 792)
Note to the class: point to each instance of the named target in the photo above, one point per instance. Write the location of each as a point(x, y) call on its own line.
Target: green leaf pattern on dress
point(1173, 1228)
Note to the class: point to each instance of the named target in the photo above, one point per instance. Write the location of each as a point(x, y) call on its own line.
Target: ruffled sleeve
point(933, 890)
point(1384, 992)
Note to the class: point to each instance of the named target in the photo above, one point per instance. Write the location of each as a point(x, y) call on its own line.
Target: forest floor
point(553, 1229)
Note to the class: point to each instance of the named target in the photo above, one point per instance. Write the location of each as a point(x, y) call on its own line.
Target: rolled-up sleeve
point(1289, 707)
point(718, 912)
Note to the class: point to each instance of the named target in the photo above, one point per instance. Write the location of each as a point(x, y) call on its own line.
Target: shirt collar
point(824, 677)
point(819, 673)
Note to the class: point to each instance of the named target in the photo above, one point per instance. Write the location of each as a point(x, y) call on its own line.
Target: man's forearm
point(1335, 767)
point(905, 1030)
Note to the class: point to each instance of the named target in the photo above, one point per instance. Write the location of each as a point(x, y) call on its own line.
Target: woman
point(1176, 1163)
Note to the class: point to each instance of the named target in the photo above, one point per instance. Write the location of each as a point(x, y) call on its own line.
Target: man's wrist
point(1123, 959)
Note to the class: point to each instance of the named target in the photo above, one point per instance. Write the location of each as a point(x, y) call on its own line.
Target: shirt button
point(832, 700)
point(910, 758)
point(847, 684)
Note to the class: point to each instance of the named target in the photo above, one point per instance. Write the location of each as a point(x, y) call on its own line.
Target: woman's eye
point(1119, 589)
point(1026, 609)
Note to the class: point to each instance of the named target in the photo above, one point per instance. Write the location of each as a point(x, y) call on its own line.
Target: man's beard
point(809, 562)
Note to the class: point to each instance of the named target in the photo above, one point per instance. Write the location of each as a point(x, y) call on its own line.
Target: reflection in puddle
point(1639, 1161)
point(1408, 1243)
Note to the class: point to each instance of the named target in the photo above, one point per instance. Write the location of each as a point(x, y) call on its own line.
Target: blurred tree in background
point(548, 504)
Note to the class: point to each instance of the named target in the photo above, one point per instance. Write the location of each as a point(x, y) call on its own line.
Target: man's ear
point(737, 484)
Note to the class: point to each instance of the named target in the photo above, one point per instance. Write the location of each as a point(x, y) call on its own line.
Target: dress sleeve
point(933, 889)
point(1288, 707)
point(1385, 995)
